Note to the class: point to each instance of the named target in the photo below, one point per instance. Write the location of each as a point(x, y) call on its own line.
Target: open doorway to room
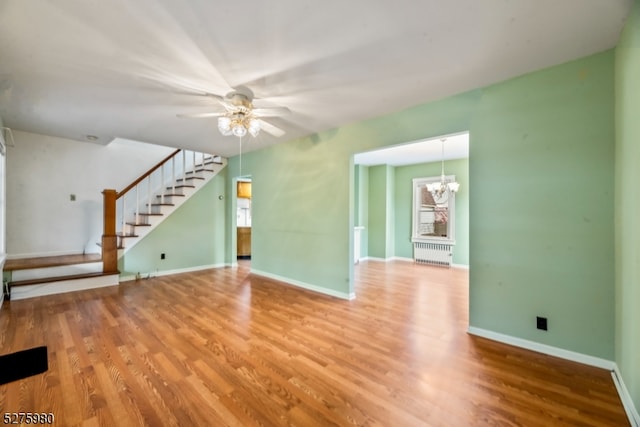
point(243, 218)
point(406, 206)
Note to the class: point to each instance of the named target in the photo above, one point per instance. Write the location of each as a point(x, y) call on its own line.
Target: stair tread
point(50, 261)
point(161, 204)
point(60, 278)
point(181, 186)
point(201, 170)
point(122, 234)
point(150, 214)
point(139, 224)
point(189, 178)
point(171, 195)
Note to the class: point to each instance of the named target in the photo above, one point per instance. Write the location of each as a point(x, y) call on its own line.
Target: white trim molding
point(307, 286)
point(543, 348)
point(625, 397)
point(460, 266)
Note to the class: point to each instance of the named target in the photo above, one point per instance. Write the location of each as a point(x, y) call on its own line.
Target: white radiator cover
point(439, 253)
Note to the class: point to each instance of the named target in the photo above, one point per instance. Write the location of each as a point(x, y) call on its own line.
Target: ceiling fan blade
point(199, 115)
point(214, 96)
point(271, 111)
point(270, 129)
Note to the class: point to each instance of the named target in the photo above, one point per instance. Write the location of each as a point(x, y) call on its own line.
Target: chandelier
point(441, 190)
point(238, 124)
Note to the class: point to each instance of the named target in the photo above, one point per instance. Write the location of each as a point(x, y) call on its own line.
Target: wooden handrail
point(146, 174)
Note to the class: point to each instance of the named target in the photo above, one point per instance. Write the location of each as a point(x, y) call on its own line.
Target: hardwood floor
point(222, 347)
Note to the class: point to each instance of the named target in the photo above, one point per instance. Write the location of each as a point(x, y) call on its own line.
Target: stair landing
point(56, 274)
point(50, 261)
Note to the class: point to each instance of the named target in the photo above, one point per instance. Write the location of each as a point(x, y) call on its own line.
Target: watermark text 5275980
point(28, 418)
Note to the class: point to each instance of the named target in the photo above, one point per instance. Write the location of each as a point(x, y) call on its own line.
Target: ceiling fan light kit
point(238, 125)
point(240, 117)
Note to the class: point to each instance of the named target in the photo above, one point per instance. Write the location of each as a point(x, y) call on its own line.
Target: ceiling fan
point(240, 117)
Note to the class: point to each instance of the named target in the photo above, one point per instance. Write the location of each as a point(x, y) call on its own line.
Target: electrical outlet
point(162, 256)
point(541, 323)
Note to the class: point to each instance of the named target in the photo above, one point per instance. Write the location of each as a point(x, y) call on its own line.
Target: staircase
point(129, 215)
point(154, 196)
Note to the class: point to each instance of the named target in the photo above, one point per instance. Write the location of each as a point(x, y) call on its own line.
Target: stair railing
point(126, 208)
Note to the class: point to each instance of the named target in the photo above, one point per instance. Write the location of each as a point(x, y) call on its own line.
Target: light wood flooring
point(50, 261)
point(223, 347)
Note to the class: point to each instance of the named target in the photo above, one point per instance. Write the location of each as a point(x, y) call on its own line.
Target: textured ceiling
point(72, 68)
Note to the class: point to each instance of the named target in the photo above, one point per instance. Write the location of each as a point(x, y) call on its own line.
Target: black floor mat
point(23, 364)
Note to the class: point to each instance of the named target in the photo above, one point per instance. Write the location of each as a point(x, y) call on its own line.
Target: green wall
point(541, 201)
point(361, 216)
point(627, 205)
point(193, 236)
point(381, 233)
point(403, 203)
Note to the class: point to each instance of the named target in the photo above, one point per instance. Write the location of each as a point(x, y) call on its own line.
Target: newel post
point(109, 238)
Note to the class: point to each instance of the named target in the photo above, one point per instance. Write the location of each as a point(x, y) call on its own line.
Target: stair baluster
point(157, 184)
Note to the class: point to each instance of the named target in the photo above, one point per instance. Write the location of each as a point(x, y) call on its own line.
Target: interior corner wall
point(362, 211)
point(404, 176)
point(192, 237)
point(42, 174)
point(627, 205)
point(381, 212)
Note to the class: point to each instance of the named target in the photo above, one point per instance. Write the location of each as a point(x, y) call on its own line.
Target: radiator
point(432, 253)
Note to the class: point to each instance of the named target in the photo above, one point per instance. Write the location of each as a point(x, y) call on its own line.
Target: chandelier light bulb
point(239, 130)
point(224, 125)
point(254, 127)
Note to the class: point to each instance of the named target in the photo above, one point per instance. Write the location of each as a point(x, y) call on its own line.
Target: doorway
point(384, 198)
point(243, 219)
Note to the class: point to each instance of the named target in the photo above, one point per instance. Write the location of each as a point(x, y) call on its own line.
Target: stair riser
point(65, 270)
point(166, 211)
point(32, 291)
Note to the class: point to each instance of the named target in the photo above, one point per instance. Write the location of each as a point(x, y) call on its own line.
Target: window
point(433, 216)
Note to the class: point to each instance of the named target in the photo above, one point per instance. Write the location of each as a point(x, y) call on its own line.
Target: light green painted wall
point(627, 205)
point(362, 207)
point(193, 236)
point(541, 217)
point(301, 212)
point(541, 204)
point(403, 202)
point(380, 192)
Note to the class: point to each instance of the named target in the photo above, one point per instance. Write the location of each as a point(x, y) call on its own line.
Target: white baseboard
point(373, 258)
point(147, 275)
point(543, 348)
point(308, 286)
point(460, 266)
point(32, 291)
point(403, 259)
point(625, 397)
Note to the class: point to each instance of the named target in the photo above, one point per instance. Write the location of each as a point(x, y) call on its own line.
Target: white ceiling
point(122, 68)
point(447, 147)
